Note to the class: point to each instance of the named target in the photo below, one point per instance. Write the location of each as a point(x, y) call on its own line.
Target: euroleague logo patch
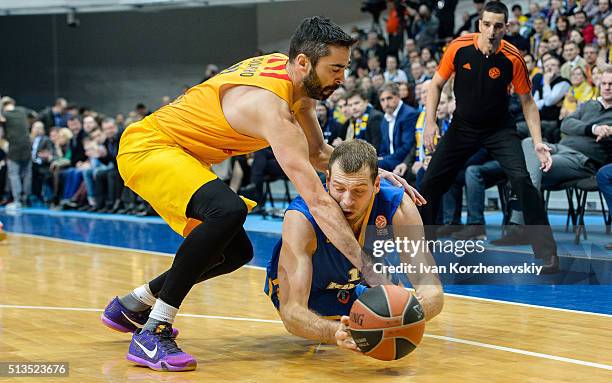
point(494, 73)
point(381, 222)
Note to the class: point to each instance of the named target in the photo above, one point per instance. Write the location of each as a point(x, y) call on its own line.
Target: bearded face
point(316, 90)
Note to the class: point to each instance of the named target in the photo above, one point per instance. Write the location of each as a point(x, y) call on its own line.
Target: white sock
point(163, 312)
point(144, 295)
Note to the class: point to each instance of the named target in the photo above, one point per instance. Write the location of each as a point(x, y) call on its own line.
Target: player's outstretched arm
point(407, 223)
point(318, 151)
point(295, 277)
point(290, 148)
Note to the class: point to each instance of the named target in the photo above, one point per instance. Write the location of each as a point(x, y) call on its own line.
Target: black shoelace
point(167, 342)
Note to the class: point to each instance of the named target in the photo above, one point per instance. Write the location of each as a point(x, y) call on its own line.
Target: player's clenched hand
point(543, 152)
point(431, 130)
point(431, 299)
point(343, 336)
point(396, 180)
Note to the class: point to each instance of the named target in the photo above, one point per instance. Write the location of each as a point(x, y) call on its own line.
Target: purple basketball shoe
point(119, 318)
point(158, 350)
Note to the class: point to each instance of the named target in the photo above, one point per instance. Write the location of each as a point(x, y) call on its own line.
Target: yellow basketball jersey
point(195, 119)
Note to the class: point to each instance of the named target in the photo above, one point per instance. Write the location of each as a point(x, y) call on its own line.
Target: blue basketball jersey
point(332, 291)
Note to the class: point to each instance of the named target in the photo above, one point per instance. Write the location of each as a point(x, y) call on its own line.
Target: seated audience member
point(330, 127)
point(478, 178)
point(580, 92)
point(579, 154)
point(548, 96)
point(571, 55)
point(364, 119)
point(397, 128)
point(42, 154)
point(393, 73)
point(604, 182)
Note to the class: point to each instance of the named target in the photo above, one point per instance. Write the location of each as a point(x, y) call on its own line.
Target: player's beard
point(314, 89)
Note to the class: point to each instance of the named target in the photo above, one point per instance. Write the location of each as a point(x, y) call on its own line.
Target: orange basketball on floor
point(387, 322)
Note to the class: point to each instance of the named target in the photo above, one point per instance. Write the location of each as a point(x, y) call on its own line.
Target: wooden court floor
point(52, 293)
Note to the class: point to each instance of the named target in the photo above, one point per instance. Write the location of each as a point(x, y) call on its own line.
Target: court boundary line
point(433, 336)
point(159, 253)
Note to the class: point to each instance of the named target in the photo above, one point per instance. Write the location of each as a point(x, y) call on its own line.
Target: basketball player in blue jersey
point(310, 282)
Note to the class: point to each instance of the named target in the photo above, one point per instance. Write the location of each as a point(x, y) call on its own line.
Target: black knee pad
point(216, 202)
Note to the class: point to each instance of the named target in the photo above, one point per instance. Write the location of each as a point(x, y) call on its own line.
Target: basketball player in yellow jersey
point(165, 158)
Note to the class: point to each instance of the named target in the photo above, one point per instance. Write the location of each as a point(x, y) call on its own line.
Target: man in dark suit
point(365, 120)
point(396, 129)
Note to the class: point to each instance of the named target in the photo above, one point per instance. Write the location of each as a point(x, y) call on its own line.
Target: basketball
point(387, 322)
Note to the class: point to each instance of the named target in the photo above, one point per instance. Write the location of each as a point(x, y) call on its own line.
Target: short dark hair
point(354, 155)
point(389, 87)
point(356, 92)
point(580, 11)
point(313, 37)
point(496, 7)
point(517, 6)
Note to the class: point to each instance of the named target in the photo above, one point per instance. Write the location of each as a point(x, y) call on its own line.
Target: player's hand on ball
point(431, 131)
point(343, 337)
point(543, 152)
point(431, 299)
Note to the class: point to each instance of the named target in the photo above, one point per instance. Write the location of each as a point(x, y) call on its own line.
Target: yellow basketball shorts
point(160, 171)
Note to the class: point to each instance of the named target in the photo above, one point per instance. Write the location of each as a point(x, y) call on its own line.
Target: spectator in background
point(330, 127)
point(583, 26)
point(604, 182)
point(580, 92)
point(141, 111)
point(374, 66)
point(603, 11)
point(3, 166)
point(89, 124)
point(554, 12)
point(42, 154)
point(77, 150)
point(563, 28)
point(375, 48)
point(393, 73)
point(107, 181)
point(430, 68)
point(548, 96)
point(55, 115)
point(540, 33)
point(418, 72)
point(397, 128)
point(555, 45)
point(365, 120)
point(425, 27)
point(63, 154)
point(571, 54)
point(19, 158)
point(514, 37)
point(406, 93)
point(471, 20)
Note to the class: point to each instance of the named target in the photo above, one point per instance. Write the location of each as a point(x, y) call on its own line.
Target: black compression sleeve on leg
point(222, 214)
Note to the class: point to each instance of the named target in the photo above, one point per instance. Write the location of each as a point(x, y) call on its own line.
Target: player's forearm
point(304, 323)
point(320, 159)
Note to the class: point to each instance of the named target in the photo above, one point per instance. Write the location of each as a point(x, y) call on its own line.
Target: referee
point(485, 68)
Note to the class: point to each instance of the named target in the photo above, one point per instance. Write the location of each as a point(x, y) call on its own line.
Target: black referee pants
point(504, 145)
